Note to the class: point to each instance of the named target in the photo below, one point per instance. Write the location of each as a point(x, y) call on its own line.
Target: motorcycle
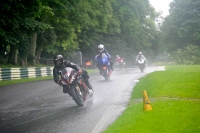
point(122, 64)
point(103, 61)
point(76, 87)
point(141, 64)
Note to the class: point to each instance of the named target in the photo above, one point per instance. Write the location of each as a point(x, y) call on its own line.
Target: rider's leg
point(109, 68)
point(88, 84)
point(86, 78)
point(111, 65)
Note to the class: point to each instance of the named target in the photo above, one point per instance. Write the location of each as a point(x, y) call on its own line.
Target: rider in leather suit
point(101, 50)
point(60, 64)
point(142, 56)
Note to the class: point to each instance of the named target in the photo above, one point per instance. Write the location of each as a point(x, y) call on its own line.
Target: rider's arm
point(72, 65)
point(144, 57)
point(106, 52)
point(109, 56)
point(56, 75)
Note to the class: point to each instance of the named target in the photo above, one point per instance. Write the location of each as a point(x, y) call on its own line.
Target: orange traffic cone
point(146, 102)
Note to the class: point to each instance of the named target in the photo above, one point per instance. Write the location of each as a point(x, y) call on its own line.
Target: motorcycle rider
point(140, 55)
point(60, 64)
point(118, 59)
point(101, 50)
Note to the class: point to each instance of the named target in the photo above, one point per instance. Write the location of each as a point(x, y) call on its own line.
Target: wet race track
point(42, 107)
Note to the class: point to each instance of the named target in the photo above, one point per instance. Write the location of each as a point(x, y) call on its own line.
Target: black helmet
point(58, 60)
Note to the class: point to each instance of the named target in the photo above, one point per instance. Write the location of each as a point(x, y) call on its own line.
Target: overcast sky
point(161, 5)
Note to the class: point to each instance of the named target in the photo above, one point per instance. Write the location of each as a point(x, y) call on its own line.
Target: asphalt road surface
point(42, 107)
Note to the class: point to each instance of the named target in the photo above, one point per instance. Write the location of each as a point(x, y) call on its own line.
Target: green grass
point(175, 98)
point(24, 80)
point(16, 81)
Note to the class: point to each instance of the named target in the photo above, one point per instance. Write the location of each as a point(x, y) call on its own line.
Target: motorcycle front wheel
point(77, 95)
point(141, 68)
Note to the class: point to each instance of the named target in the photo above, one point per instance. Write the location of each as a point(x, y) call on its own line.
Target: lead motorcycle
point(103, 61)
point(141, 64)
point(76, 86)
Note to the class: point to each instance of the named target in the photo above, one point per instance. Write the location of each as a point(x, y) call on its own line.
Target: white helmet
point(100, 47)
point(140, 53)
point(117, 56)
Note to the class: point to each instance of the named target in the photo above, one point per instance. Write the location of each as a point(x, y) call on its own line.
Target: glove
point(79, 71)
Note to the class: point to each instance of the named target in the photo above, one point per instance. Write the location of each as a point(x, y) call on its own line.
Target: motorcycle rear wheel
point(77, 96)
point(105, 74)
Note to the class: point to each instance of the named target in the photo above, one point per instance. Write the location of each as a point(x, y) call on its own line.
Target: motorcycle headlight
point(66, 78)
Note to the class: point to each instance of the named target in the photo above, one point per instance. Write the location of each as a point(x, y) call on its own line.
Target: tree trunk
point(3, 49)
point(22, 63)
point(2, 52)
point(33, 39)
point(16, 52)
point(25, 62)
point(38, 53)
point(12, 55)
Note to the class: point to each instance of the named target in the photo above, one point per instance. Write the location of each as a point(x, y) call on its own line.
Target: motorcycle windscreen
point(103, 59)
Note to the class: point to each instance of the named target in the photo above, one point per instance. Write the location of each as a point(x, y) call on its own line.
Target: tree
point(182, 26)
point(65, 26)
point(19, 21)
point(187, 56)
point(137, 28)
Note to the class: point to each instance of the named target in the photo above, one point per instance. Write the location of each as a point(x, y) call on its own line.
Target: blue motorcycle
point(104, 65)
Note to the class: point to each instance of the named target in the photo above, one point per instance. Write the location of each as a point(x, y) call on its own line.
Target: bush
point(3, 60)
point(187, 56)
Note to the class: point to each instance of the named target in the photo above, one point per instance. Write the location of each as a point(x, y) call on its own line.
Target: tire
point(142, 68)
point(77, 97)
point(105, 74)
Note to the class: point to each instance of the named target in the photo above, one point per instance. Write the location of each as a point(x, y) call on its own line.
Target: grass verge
point(175, 99)
point(16, 81)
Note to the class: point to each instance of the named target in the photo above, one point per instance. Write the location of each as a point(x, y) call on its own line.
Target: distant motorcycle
point(103, 60)
point(122, 64)
point(141, 64)
point(77, 87)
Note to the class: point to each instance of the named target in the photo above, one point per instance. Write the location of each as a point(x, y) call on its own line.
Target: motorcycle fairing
point(102, 59)
point(67, 75)
point(141, 60)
